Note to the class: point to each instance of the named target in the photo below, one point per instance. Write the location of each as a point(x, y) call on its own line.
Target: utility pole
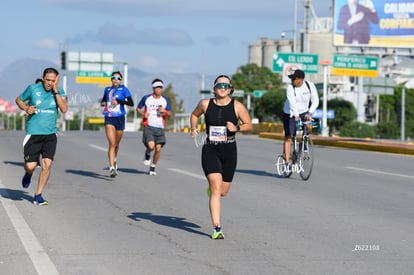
point(295, 23)
point(306, 33)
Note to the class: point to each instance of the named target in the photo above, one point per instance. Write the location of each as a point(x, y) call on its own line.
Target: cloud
point(117, 35)
point(149, 61)
point(46, 44)
point(212, 8)
point(217, 40)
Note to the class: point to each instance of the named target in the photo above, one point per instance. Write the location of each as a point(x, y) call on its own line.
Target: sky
point(181, 36)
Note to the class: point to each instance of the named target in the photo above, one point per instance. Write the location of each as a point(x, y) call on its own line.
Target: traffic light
point(63, 60)
point(370, 108)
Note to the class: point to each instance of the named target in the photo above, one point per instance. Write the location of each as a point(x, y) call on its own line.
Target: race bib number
point(217, 133)
point(114, 108)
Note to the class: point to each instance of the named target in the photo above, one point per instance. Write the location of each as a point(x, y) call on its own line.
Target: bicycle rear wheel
point(306, 158)
point(281, 168)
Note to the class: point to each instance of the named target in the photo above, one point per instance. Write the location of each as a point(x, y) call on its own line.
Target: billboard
point(374, 23)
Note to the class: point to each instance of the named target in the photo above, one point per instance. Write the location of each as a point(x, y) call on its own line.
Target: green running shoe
point(217, 235)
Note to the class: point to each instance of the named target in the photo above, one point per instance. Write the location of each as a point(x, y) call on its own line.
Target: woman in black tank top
point(219, 154)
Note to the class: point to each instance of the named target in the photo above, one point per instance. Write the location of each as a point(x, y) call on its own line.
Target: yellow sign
point(96, 120)
point(93, 80)
point(354, 72)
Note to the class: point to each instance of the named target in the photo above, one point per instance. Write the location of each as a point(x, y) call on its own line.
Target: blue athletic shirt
point(120, 93)
point(43, 122)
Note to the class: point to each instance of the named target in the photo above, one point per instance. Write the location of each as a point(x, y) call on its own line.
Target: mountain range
point(21, 73)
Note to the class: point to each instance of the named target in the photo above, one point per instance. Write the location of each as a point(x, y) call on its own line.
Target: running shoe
point(217, 234)
point(39, 200)
point(152, 171)
point(147, 159)
point(208, 190)
point(26, 180)
point(112, 172)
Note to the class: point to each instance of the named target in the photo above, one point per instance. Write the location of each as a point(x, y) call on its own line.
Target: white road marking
point(197, 176)
point(98, 147)
point(40, 259)
point(380, 172)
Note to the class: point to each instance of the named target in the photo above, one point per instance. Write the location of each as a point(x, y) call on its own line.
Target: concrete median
point(406, 148)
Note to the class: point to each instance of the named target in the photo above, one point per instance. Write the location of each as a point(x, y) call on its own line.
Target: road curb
point(362, 144)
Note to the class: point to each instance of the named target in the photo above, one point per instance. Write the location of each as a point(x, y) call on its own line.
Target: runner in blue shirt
point(114, 100)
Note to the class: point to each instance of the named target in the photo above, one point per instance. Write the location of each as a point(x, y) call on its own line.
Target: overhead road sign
point(308, 62)
point(90, 61)
point(355, 65)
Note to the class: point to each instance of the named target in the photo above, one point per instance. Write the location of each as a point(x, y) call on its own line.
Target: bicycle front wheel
point(306, 158)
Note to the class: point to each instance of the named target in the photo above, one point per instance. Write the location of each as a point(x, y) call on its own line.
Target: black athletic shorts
point(289, 124)
point(36, 145)
point(220, 158)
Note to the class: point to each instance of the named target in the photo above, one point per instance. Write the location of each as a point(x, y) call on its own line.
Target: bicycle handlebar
point(300, 123)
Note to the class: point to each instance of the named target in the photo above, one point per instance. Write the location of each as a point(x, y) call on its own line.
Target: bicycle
point(301, 157)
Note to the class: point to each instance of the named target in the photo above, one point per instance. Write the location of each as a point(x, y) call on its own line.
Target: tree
point(176, 107)
point(345, 113)
point(390, 114)
point(251, 77)
point(270, 106)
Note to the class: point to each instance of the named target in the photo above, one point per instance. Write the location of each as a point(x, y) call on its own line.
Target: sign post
point(325, 130)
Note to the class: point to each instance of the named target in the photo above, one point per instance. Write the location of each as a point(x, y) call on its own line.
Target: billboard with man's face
point(374, 23)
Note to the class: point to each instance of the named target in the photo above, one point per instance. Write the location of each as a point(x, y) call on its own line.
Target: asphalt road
point(353, 216)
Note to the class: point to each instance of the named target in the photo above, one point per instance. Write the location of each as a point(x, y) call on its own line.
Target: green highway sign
point(355, 65)
point(308, 62)
point(92, 74)
point(258, 93)
point(84, 77)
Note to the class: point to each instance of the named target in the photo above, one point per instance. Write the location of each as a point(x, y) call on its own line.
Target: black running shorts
point(220, 158)
point(36, 145)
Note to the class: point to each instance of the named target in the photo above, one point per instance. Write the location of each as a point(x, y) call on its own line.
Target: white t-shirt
point(298, 99)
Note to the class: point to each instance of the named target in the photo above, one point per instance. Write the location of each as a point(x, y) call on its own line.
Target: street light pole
point(295, 11)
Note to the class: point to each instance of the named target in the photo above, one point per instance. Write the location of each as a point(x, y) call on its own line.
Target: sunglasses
point(116, 78)
point(222, 85)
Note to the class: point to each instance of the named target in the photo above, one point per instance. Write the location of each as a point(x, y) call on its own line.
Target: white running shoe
point(112, 172)
point(151, 171)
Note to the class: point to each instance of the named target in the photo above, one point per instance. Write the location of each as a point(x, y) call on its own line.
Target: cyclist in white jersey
point(301, 101)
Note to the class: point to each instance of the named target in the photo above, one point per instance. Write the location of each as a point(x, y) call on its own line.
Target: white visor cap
point(157, 84)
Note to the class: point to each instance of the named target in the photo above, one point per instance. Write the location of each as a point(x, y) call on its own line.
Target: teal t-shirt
point(43, 122)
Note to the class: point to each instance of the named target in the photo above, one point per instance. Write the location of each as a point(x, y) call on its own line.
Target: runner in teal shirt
point(43, 120)
point(41, 104)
